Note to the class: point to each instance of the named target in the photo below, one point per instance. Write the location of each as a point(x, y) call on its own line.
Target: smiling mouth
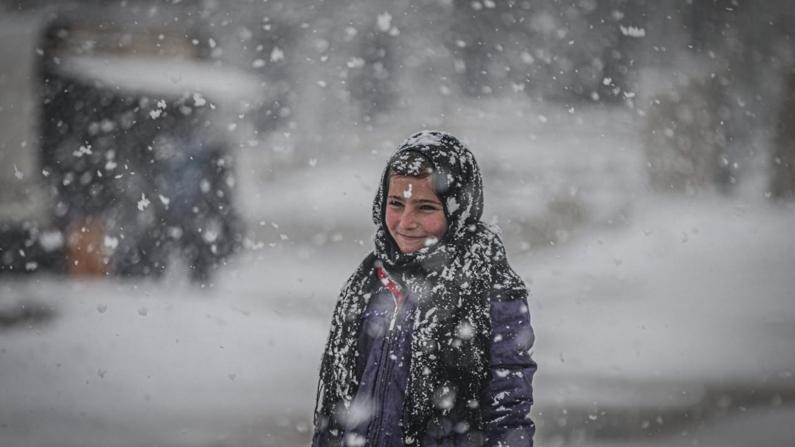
point(412, 237)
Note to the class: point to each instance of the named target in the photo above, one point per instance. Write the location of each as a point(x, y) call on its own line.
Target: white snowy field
point(689, 303)
point(672, 325)
point(659, 321)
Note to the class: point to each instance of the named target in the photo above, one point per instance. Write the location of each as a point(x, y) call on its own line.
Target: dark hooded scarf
point(453, 282)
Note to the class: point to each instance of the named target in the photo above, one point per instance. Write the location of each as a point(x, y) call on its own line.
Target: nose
point(408, 221)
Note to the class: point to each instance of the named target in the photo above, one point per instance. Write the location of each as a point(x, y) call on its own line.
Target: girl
point(430, 337)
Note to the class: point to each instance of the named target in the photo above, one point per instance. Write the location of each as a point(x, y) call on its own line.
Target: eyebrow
point(435, 202)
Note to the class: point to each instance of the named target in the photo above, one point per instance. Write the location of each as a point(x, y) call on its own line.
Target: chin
point(411, 248)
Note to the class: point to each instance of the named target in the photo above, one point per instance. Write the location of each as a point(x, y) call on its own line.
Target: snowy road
point(133, 365)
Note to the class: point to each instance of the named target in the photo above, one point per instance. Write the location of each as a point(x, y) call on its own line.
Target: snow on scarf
point(453, 282)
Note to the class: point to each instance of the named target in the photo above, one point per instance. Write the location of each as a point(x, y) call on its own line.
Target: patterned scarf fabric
point(453, 282)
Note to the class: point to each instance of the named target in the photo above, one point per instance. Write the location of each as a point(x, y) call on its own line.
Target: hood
point(457, 181)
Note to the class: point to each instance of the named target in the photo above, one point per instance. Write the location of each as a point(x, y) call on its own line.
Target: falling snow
point(143, 203)
point(623, 149)
point(632, 31)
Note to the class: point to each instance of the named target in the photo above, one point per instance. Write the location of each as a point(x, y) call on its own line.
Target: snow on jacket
point(457, 369)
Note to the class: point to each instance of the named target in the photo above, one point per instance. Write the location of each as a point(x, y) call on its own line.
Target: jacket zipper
point(383, 376)
point(382, 381)
point(394, 290)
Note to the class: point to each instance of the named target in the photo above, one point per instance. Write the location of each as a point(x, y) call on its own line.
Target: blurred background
point(186, 184)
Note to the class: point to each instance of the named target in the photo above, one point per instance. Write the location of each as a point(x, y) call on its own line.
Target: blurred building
point(120, 134)
point(101, 90)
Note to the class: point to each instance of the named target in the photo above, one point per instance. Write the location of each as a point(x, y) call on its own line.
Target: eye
point(430, 208)
point(395, 203)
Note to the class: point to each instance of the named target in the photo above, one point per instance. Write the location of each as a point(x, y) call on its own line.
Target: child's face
point(414, 214)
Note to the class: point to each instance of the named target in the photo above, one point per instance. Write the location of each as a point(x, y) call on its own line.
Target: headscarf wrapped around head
point(455, 179)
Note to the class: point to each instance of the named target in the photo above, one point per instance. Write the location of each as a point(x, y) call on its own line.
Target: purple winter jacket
point(383, 370)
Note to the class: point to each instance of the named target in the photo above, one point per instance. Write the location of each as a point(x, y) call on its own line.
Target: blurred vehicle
point(119, 158)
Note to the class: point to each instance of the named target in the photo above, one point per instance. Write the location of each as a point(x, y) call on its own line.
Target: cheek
point(436, 225)
point(391, 219)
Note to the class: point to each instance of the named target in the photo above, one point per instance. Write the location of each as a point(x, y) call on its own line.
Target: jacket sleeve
point(508, 395)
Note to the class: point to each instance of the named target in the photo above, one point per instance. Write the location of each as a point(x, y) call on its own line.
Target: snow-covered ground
point(659, 321)
point(668, 323)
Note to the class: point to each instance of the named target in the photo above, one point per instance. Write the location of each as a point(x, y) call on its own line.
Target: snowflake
point(632, 31)
point(277, 54)
point(143, 203)
point(384, 22)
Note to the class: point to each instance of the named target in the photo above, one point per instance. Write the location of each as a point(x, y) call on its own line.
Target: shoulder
point(486, 243)
point(361, 272)
point(489, 263)
point(358, 284)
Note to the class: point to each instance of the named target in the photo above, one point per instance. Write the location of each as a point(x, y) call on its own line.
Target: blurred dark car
point(144, 171)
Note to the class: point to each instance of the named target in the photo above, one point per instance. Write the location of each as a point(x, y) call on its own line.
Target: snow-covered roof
point(168, 77)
